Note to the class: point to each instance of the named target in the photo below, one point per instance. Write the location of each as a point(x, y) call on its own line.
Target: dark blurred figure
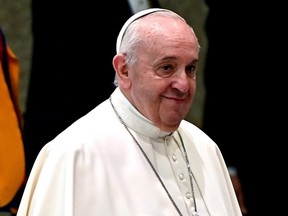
point(73, 49)
point(238, 84)
point(65, 75)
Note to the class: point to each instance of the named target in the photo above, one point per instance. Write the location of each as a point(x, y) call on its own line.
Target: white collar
point(133, 118)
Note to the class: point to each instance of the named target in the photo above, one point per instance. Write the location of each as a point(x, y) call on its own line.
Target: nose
point(181, 82)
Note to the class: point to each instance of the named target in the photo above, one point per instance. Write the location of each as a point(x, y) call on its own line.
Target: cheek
point(193, 90)
point(193, 87)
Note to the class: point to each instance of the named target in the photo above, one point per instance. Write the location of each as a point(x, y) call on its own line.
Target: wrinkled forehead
point(132, 19)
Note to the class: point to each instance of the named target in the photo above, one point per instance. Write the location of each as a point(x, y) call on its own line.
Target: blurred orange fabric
point(12, 157)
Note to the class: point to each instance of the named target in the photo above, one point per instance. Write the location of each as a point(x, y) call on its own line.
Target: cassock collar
point(133, 118)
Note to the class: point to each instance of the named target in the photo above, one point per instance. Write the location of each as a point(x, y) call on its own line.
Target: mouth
point(176, 99)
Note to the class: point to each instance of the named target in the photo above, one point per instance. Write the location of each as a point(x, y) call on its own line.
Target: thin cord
point(150, 163)
point(195, 213)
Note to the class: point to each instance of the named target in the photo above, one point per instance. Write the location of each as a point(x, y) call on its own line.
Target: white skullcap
point(132, 19)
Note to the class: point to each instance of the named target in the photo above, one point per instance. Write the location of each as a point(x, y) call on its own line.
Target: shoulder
point(193, 130)
point(90, 133)
point(195, 134)
point(200, 142)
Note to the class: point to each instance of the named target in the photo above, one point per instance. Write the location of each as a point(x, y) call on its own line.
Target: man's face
point(163, 81)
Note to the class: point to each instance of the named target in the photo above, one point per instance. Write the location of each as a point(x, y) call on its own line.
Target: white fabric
point(94, 168)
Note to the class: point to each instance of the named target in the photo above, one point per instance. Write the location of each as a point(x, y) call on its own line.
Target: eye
point(191, 70)
point(166, 70)
point(167, 67)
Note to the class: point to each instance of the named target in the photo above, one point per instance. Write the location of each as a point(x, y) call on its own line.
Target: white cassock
point(95, 168)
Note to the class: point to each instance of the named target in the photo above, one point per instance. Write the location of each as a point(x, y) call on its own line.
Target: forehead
point(164, 32)
point(161, 25)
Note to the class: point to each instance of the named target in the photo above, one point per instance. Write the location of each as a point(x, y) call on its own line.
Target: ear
point(121, 69)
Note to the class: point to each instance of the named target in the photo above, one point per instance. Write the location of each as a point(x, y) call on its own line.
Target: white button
point(174, 158)
point(181, 176)
point(168, 139)
point(188, 195)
